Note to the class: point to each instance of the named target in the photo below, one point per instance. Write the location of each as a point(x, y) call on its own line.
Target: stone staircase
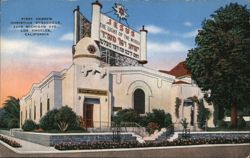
point(157, 134)
point(163, 134)
point(139, 138)
point(173, 137)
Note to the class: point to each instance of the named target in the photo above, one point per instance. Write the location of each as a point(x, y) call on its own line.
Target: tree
point(10, 113)
point(66, 119)
point(2, 119)
point(220, 61)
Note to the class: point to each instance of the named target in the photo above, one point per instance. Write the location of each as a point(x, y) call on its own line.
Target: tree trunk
point(234, 115)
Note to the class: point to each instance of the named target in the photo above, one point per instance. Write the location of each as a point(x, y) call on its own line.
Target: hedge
point(135, 144)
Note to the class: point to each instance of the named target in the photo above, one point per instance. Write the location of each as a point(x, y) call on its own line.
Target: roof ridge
point(179, 70)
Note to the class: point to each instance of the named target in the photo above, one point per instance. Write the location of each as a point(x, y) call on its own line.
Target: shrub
point(157, 116)
point(143, 121)
point(126, 115)
point(160, 117)
point(48, 121)
point(184, 123)
point(203, 114)
point(13, 123)
point(80, 123)
point(10, 142)
point(167, 120)
point(151, 127)
point(66, 119)
point(29, 125)
point(222, 123)
point(241, 122)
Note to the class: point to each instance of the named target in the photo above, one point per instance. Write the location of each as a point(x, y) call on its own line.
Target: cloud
point(165, 55)
point(190, 34)
point(167, 47)
point(67, 37)
point(153, 29)
point(187, 23)
point(29, 52)
point(24, 62)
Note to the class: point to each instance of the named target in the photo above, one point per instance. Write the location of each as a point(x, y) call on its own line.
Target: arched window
point(139, 101)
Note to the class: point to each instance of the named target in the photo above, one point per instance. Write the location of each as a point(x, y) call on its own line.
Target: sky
point(172, 26)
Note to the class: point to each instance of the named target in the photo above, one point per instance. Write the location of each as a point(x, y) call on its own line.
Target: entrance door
point(139, 101)
point(88, 115)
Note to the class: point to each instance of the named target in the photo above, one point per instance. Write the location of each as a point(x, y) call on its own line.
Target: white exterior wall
point(68, 87)
point(39, 93)
point(120, 84)
point(184, 91)
point(95, 81)
point(156, 86)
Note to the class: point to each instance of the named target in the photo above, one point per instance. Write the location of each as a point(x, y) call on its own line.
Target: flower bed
point(134, 144)
point(10, 142)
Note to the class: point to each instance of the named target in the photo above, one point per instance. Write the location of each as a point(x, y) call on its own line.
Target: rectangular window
point(41, 109)
point(26, 114)
point(48, 104)
point(34, 112)
point(29, 113)
point(21, 118)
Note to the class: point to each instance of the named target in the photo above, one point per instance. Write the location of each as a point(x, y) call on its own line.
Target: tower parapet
point(96, 21)
point(143, 58)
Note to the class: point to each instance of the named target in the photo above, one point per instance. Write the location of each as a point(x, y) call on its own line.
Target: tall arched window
point(139, 101)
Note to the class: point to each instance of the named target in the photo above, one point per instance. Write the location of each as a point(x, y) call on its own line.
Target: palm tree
point(11, 112)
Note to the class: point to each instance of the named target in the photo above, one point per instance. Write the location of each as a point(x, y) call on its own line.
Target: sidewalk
point(29, 146)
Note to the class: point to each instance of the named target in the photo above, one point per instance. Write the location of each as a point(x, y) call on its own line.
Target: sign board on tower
point(119, 38)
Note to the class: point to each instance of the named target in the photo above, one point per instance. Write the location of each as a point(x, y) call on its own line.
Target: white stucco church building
point(108, 73)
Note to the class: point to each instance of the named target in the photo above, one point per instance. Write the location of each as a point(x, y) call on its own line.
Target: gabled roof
point(179, 70)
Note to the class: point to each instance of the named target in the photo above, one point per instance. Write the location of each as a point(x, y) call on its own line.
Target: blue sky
point(172, 26)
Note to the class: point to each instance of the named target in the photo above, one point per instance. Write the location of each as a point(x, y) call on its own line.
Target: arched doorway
point(139, 101)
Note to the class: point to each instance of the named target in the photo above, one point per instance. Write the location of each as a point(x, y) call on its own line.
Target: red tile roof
point(180, 82)
point(179, 70)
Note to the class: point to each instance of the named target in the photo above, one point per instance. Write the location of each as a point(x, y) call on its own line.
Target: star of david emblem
point(120, 11)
